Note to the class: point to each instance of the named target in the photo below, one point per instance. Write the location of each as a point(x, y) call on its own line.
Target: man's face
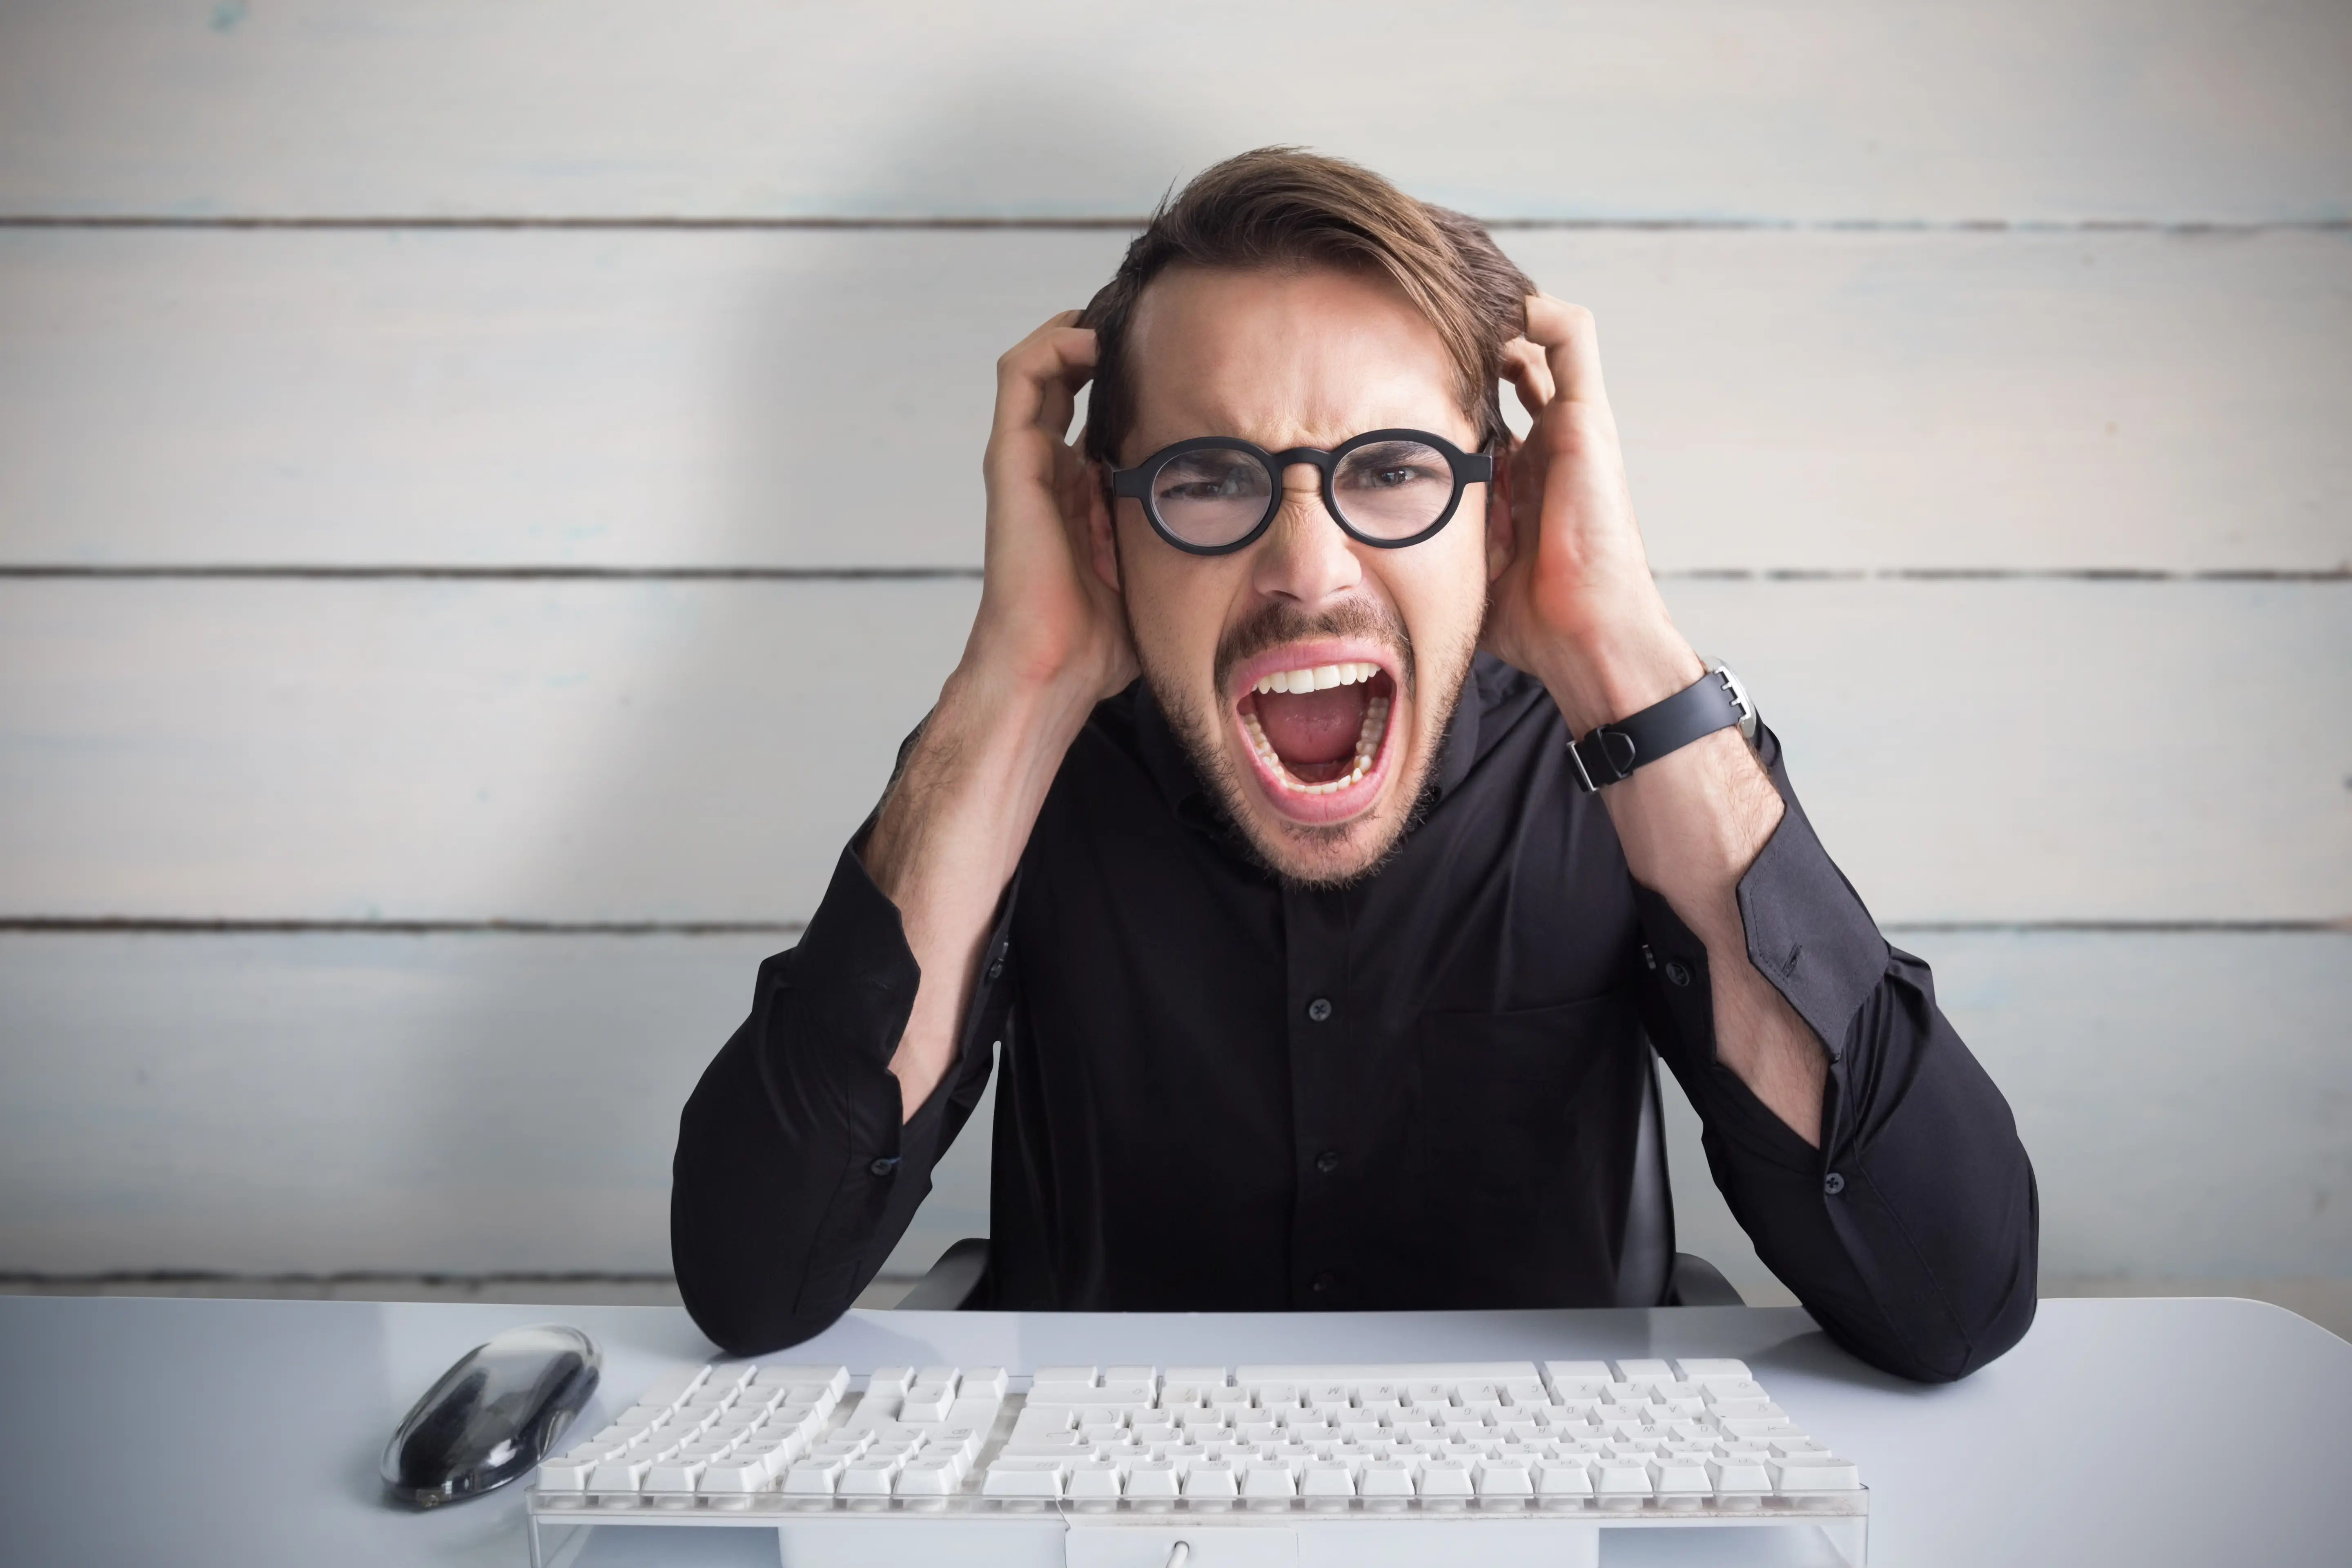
point(1322, 781)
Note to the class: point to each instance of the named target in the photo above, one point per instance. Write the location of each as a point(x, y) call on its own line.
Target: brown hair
point(1280, 206)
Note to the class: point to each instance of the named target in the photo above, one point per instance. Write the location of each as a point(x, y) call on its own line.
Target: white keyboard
point(1190, 1449)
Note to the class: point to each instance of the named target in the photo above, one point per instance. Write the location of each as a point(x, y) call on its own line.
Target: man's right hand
point(1047, 618)
point(1049, 642)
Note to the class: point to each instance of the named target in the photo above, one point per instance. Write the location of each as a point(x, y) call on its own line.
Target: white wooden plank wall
point(515, 465)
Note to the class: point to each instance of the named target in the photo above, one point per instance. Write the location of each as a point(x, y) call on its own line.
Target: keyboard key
point(1265, 1482)
point(984, 1382)
point(813, 1477)
point(930, 1478)
point(1094, 1481)
point(1019, 1482)
point(1386, 1478)
point(963, 1442)
point(1140, 1385)
point(792, 1374)
point(1500, 1478)
point(1211, 1481)
point(1393, 1374)
point(1154, 1480)
point(737, 1477)
point(1326, 1478)
point(1445, 1478)
point(1679, 1476)
point(926, 1402)
point(1740, 1476)
point(1698, 1370)
point(978, 1411)
point(673, 1474)
point(1624, 1476)
point(567, 1474)
point(875, 1410)
point(1644, 1371)
point(1058, 1382)
point(1059, 1445)
point(619, 1475)
point(866, 1478)
point(1809, 1474)
point(1562, 1478)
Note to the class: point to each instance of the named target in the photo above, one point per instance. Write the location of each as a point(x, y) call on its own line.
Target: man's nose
point(1306, 557)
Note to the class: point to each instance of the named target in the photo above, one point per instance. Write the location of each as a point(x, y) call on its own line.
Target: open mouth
point(1319, 733)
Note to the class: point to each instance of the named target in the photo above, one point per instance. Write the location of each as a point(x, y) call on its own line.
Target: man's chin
point(1327, 854)
point(1315, 855)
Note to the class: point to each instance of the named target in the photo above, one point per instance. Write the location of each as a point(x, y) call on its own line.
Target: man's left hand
point(1570, 599)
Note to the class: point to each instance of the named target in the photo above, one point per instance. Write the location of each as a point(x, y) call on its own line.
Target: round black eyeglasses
point(1215, 494)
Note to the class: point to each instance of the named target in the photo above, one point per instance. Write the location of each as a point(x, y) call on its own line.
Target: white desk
point(199, 1432)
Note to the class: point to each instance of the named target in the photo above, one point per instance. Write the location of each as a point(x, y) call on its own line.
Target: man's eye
point(1240, 480)
point(1389, 476)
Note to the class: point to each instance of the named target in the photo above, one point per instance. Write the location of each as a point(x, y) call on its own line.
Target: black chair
point(1653, 1274)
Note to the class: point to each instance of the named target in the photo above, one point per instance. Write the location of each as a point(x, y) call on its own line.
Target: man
point(1248, 842)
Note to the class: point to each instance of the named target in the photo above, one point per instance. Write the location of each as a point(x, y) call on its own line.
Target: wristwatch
point(1610, 752)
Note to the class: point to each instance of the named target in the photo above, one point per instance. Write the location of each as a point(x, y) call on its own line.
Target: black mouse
point(492, 1417)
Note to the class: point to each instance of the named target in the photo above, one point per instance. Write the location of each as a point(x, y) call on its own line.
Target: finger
point(1571, 346)
point(1524, 367)
point(1046, 367)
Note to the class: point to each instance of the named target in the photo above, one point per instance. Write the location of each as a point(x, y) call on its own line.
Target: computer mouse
point(492, 1417)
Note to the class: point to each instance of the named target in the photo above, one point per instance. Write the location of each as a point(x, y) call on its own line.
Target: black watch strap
point(1611, 752)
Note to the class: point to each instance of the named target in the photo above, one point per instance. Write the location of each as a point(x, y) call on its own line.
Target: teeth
point(1368, 746)
point(1318, 678)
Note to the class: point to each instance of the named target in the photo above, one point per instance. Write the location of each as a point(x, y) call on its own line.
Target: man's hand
point(1571, 601)
point(1046, 617)
point(1049, 642)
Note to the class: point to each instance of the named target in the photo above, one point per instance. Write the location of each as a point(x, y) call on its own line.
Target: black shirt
point(1424, 1090)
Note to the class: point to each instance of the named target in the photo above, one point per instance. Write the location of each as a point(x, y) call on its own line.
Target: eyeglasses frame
point(1135, 483)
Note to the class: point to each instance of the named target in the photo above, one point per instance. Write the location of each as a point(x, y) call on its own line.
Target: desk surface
point(151, 1431)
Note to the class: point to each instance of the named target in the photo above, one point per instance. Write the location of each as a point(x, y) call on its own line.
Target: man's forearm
point(1691, 824)
point(949, 833)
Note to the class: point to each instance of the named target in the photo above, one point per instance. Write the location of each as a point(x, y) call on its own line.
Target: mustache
point(1278, 624)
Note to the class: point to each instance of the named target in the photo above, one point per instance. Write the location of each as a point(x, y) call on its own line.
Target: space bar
point(1391, 1372)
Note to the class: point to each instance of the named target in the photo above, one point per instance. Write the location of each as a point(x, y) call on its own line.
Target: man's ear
point(1502, 532)
point(1103, 543)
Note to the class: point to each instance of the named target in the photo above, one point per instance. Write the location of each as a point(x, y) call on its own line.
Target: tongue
point(1306, 728)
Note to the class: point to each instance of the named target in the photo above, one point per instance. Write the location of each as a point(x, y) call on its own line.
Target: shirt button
point(1678, 971)
point(882, 1166)
point(1323, 1283)
point(1834, 1184)
point(1328, 1160)
point(996, 968)
point(1319, 1010)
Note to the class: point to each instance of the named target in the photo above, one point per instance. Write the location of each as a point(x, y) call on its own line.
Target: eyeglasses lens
point(1393, 489)
point(1212, 497)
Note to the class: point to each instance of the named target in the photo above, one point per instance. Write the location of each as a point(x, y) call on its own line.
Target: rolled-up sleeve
point(795, 1176)
point(1911, 1233)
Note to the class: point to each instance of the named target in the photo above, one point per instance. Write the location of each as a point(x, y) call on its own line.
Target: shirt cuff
point(853, 976)
point(1808, 933)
